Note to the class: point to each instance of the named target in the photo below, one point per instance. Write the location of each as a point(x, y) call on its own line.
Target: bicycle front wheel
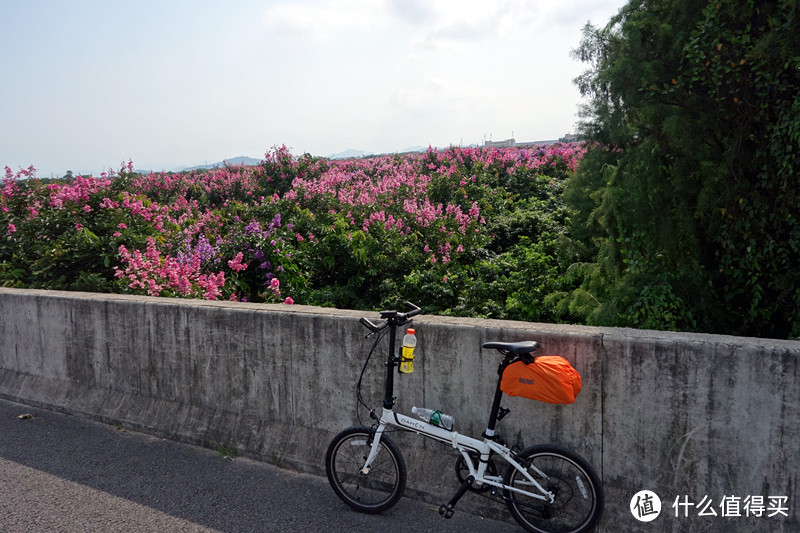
point(376, 491)
point(578, 492)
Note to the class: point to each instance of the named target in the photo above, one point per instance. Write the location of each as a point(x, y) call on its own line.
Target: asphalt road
point(60, 473)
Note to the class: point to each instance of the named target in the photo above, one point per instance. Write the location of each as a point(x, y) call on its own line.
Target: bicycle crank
point(462, 472)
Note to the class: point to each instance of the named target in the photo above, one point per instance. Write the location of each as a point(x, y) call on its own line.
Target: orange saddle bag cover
point(550, 378)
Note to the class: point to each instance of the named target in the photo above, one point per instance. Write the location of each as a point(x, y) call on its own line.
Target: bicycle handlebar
point(372, 327)
point(414, 310)
point(391, 318)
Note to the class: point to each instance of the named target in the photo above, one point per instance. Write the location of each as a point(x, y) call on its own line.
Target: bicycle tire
point(376, 491)
point(578, 492)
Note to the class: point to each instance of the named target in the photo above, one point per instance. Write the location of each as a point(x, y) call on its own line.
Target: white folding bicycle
point(547, 488)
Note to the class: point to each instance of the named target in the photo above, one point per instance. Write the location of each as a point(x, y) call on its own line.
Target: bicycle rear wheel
point(578, 492)
point(376, 491)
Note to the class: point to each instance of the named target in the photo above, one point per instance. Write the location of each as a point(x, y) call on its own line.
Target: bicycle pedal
point(446, 511)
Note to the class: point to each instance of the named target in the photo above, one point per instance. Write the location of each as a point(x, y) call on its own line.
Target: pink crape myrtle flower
point(236, 263)
point(384, 196)
point(212, 285)
point(154, 273)
point(275, 286)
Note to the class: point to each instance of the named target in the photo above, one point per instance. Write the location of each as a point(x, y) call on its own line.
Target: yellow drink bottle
point(407, 353)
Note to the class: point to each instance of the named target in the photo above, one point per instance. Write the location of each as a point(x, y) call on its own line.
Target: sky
point(88, 85)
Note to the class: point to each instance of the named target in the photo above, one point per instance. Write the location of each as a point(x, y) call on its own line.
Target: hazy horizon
point(92, 84)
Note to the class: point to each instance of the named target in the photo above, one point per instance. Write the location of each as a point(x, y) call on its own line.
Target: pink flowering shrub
point(165, 275)
point(459, 230)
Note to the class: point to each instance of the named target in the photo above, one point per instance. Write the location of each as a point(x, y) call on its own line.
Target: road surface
point(60, 473)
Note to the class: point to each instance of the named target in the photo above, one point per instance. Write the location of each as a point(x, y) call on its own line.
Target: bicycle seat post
point(493, 414)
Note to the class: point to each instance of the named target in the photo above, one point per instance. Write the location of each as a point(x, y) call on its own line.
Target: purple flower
point(276, 222)
point(252, 227)
point(202, 251)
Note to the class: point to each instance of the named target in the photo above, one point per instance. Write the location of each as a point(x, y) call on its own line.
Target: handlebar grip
point(369, 325)
point(414, 310)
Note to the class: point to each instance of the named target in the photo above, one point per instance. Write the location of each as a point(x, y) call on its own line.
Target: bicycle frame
point(464, 444)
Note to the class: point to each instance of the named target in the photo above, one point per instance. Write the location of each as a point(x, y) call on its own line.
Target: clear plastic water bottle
point(437, 418)
point(407, 354)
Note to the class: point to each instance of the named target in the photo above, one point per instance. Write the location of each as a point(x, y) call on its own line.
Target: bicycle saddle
point(515, 348)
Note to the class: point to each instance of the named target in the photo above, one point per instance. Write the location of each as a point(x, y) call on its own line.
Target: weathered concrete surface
point(684, 415)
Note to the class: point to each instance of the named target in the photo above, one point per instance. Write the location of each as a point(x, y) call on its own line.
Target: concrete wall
point(684, 415)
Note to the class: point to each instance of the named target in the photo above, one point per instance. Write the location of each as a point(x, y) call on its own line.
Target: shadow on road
point(198, 486)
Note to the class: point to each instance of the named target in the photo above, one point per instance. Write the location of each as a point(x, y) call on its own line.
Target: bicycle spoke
point(578, 499)
point(375, 491)
point(548, 489)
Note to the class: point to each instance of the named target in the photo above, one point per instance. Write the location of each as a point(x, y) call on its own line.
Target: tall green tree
point(688, 201)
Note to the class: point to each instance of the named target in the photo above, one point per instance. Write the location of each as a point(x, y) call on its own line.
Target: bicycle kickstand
point(447, 509)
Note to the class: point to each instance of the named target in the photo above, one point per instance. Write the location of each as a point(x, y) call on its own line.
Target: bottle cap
point(410, 331)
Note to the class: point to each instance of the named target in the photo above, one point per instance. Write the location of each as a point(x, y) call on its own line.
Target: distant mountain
point(241, 160)
point(353, 153)
point(418, 149)
point(349, 153)
point(413, 149)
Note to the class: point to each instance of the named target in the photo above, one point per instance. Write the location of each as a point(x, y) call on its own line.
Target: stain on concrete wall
point(684, 415)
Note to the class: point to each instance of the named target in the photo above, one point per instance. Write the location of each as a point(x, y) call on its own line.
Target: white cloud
point(415, 12)
point(461, 23)
point(317, 75)
point(323, 21)
point(426, 25)
point(426, 94)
